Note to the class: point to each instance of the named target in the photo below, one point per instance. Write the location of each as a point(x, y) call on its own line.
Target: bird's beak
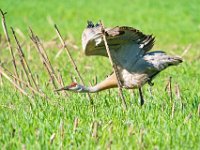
point(61, 89)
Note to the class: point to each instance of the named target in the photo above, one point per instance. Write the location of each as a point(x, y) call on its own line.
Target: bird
point(130, 52)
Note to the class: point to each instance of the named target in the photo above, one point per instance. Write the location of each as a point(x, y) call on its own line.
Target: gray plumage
point(130, 52)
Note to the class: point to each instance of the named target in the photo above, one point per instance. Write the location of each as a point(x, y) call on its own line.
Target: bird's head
point(91, 34)
point(74, 87)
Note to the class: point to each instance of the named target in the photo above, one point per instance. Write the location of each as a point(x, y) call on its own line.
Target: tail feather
point(160, 60)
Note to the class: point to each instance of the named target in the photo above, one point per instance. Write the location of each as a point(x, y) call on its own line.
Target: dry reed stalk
point(47, 58)
point(29, 56)
point(20, 33)
point(60, 79)
point(49, 44)
point(46, 62)
point(24, 147)
point(1, 80)
point(76, 121)
point(142, 133)
point(177, 91)
point(37, 79)
point(95, 129)
point(59, 53)
point(110, 130)
point(9, 42)
point(173, 110)
point(3, 42)
point(108, 147)
point(62, 134)
point(114, 67)
point(23, 82)
point(43, 59)
point(62, 130)
point(53, 136)
point(73, 78)
point(130, 130)
point(168, 88)
point(75, 47)
point(24, 63)
point(50, 75)
point(21, 76)
point(186, 50)
point(72, 61)
point(95, 80)
point(13, 83)
point(107, 125)
point(187, 118)
point(198, 111)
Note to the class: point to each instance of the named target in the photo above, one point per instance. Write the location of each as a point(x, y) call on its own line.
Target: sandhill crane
point(129, 50)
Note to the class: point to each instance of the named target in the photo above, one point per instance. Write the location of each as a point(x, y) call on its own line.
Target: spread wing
point(126, 44)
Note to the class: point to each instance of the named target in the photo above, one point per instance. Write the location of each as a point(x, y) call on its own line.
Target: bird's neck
point(109, 82)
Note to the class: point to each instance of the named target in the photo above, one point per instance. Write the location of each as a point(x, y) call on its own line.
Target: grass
point(175, 25)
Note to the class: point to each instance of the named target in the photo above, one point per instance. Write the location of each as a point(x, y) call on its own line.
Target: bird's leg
point(141, 96)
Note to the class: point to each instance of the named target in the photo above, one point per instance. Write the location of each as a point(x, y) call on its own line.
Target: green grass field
point(49, 124)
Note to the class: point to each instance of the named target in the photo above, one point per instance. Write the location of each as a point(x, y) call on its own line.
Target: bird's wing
point(125, 43)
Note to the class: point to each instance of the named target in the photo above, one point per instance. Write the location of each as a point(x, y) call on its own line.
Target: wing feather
point(126, 44)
